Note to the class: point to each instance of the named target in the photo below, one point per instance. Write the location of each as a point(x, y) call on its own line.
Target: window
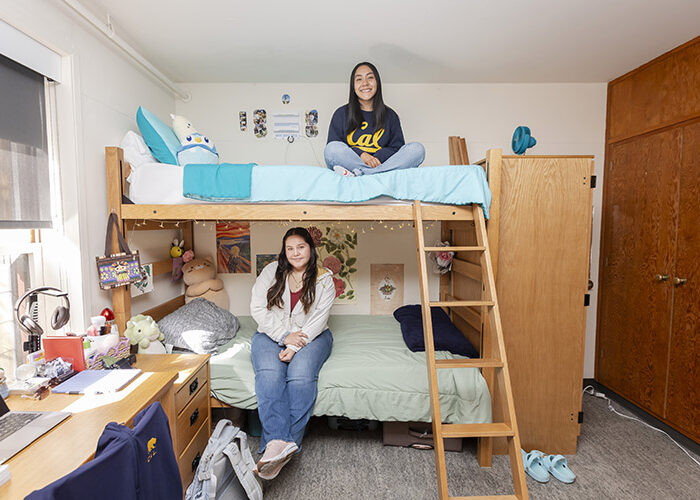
point(25, 181)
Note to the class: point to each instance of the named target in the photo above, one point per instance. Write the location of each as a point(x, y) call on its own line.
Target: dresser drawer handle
point(195, 462)
point(194, 417)
point(193, 386)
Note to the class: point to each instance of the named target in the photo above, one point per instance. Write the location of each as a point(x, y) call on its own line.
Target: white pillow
point(136, 153)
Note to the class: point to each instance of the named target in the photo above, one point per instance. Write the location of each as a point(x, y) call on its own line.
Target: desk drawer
point(190, 387)
point(187, 463)
point(191, 418)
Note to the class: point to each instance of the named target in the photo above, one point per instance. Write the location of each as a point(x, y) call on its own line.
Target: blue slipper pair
point(539, 466)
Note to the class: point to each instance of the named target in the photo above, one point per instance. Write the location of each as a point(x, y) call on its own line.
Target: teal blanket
point(217, 182)
point(451, 184)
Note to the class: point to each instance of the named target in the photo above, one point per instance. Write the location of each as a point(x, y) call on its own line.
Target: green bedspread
point(369, 374)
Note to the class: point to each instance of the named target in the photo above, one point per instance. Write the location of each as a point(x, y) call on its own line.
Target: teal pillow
point(159, 138)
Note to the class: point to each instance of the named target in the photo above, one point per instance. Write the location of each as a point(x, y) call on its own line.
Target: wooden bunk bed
point(467, 292)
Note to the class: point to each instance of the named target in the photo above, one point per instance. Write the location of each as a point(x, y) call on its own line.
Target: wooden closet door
point(640, 223)
point(683, 399)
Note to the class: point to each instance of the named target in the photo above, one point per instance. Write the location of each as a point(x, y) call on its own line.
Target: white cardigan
point(278, 322)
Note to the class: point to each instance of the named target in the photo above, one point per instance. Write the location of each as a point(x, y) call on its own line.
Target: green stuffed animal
point(144, 331)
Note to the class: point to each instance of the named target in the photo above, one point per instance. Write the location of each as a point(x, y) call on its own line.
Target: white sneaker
point(343, 171)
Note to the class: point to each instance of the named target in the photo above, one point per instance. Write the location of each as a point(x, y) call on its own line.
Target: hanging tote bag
point(118, 269)
point(225, 471)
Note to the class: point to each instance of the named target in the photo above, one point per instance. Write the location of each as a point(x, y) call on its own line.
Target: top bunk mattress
point(162, 184)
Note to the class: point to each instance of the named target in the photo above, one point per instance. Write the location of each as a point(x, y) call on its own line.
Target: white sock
point(343, 171)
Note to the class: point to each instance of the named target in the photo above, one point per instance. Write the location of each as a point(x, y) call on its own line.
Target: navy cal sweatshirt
point(380, 143)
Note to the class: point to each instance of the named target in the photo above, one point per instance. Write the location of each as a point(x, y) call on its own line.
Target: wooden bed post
point(493, 172)
point(116, 176)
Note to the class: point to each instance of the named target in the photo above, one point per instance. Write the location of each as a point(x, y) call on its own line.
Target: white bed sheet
point(161, 184)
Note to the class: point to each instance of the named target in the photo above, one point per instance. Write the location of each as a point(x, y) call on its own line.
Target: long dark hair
point(379, 109)
point(284, 267)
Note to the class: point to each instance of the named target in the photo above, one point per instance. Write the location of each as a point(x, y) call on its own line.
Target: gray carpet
point(616, 459)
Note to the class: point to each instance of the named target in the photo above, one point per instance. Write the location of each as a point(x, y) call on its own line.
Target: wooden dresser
point(192, 425)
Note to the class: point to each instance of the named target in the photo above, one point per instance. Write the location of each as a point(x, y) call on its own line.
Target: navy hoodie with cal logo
point(380, 143)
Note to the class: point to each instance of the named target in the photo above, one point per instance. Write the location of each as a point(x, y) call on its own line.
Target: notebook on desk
point(97, 381)
point(18, 429)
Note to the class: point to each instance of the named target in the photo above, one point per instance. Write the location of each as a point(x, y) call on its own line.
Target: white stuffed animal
point(195, 147)
point(182, 128)
point(144, 331)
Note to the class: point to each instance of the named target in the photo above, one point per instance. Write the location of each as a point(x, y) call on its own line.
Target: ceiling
point(410, 41)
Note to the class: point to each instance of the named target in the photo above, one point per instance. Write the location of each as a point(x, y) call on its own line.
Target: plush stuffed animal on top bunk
point(194, 147)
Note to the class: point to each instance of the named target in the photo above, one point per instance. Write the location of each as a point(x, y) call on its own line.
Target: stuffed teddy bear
point(144, 331)
point(194, 147)
point(199, 275)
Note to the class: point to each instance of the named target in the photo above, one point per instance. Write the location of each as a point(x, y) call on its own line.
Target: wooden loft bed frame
point(464, 280)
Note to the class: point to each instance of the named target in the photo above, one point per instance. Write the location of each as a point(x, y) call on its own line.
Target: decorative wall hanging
point(286, 99)
point(118, 269)
point(311, 120)
point(233, 247)
point(386, 288)
point(337, 251)
point(243, 120)
point(260, 123)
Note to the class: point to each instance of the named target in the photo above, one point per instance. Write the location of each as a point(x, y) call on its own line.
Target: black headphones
point(60, 315)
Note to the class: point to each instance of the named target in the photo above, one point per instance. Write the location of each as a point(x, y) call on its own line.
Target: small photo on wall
point(233, 247)
point(386, 288)
point(145, 285)
point(263, 259)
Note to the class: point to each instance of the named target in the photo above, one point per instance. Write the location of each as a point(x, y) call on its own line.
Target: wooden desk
point(191, 425)
point(73, 442)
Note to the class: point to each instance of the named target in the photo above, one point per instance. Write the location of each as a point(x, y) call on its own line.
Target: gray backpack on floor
point(225, 471)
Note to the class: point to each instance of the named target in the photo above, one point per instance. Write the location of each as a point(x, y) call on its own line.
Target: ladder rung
point(454, 249)
point(469, 363)
point(461, 303)
point(487, 497)
point(476, 430)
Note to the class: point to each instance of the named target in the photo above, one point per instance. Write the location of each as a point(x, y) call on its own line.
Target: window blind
point(25, 191)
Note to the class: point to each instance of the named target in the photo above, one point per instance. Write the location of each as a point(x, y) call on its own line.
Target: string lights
point(360, 226)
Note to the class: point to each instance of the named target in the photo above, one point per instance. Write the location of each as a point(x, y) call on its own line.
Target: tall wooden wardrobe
point(648, 335)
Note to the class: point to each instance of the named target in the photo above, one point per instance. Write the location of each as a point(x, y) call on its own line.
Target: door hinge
point(594, 179)
point(587, 300)
point(580, 417)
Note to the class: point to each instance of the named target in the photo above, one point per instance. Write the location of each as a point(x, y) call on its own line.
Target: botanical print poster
point(233, 247)
point(337, 251)
point(263, 259)
point(386, 288)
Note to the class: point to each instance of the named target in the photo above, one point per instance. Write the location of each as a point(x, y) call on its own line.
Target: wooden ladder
point(489, 304)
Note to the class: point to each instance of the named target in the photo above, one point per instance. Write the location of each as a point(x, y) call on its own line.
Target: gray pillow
point(199, 326)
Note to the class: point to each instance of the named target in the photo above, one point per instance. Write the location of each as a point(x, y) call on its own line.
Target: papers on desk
point(97, 381)
point(4, 474)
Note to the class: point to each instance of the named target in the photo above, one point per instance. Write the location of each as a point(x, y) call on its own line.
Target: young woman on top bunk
point(291, 301)
point(365, 136)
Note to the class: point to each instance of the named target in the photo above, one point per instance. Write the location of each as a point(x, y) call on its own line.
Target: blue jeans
point(338, 153)
point(286, 392)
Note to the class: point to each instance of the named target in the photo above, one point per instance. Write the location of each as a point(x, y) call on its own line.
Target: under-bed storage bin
point(416, 435)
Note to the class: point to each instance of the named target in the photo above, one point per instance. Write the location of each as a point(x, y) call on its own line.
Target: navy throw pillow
point(446, 335)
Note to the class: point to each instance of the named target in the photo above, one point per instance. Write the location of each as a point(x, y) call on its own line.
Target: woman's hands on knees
point(370, 160)
point(297, 339)
point(287, 355)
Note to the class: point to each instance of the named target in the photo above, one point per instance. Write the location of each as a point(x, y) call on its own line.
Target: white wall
point(97, 100)
point(565, 119)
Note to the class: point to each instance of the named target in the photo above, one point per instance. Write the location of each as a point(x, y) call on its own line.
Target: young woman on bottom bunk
point(365, 135)
point(291, 301)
